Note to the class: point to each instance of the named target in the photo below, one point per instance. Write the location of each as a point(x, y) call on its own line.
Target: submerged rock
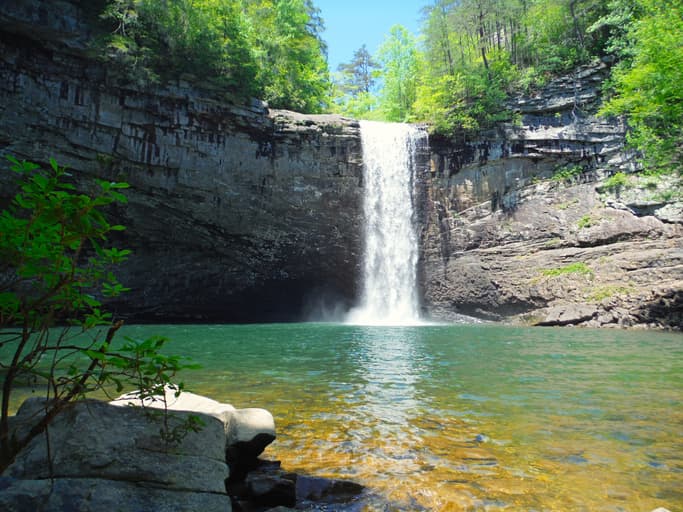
point(326, 490)
point(268, 485)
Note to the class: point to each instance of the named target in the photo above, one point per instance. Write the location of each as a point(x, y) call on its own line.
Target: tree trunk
point(482, 40)
point(579, 34)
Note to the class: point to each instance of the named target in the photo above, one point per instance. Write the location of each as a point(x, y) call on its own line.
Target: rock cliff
point(241, 213)
point(525, 224)
point(235, 213)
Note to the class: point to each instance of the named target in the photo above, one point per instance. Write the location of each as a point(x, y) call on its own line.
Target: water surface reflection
point(461, 417)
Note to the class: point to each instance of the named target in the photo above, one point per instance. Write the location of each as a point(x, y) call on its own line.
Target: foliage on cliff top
point(475, 53)
point(269, 49)
point(649, 83)
point(55, 267)
point(472, 55)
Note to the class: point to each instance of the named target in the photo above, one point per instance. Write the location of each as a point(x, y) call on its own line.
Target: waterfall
point(389, 286)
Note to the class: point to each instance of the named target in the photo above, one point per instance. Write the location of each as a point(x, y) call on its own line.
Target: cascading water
point(389, 294)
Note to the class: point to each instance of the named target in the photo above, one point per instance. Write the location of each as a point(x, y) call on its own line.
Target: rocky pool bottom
point(171, 453)
point(458, 417)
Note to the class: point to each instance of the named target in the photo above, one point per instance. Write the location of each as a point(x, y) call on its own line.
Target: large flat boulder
point(97, 495)
point(96, 456)
point(252, 428)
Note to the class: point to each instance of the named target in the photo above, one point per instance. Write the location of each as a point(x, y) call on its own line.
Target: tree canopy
point(270, 49)
point(649, 82)
point(456, 76)
point(473, 54)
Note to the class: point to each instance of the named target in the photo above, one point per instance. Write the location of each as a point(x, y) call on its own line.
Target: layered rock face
point(240, 213)
point(234, 213)
point(525, 225)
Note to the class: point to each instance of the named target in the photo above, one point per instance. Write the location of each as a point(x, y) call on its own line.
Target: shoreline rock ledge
point(111, 456)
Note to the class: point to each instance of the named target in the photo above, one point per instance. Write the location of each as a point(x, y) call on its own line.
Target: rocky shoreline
point(110, 456)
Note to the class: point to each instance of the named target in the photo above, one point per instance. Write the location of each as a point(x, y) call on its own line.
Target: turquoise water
point(460, 417)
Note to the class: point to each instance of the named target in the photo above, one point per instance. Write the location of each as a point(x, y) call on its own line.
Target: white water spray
point(389, 295)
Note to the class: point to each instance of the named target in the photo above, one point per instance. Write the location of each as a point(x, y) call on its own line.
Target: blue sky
point(350, 23)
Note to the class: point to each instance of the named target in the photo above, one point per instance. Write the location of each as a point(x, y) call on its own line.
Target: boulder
point(247, 431)
point(251, 429)
point(251, 424)
point(110, 456)
point(97, 495)
point(96, 456)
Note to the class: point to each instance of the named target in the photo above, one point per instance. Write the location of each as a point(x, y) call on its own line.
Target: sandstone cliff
point(524, 224)
point(235, 213)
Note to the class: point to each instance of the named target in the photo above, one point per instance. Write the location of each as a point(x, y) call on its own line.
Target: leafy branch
point(56, 268)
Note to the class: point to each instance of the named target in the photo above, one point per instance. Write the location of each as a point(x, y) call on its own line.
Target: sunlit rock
point(251, 429)
point(115, 454)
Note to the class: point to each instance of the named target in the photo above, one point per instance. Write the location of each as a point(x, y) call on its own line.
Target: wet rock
point(326, 490)
point(271, 489)
point(568, 314)
point(267, 485)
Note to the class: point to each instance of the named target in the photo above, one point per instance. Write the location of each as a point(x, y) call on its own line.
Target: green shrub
point(605, 292)
point(567, 172)
point(572, 268)
point(56, 269)
point(585, 222)
point(616, 182)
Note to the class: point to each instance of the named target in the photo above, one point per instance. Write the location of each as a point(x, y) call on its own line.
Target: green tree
point(649, 85)
point(272, 49)
point(399, 58)
point(440, 38)
point(358, 75)
point(556, 35)
point(292, 68)
point(55, 268)
point(154, 40)
point(611, 30)
point(353, 86)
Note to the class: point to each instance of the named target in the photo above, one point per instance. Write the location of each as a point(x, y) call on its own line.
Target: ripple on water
point(406, 405)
